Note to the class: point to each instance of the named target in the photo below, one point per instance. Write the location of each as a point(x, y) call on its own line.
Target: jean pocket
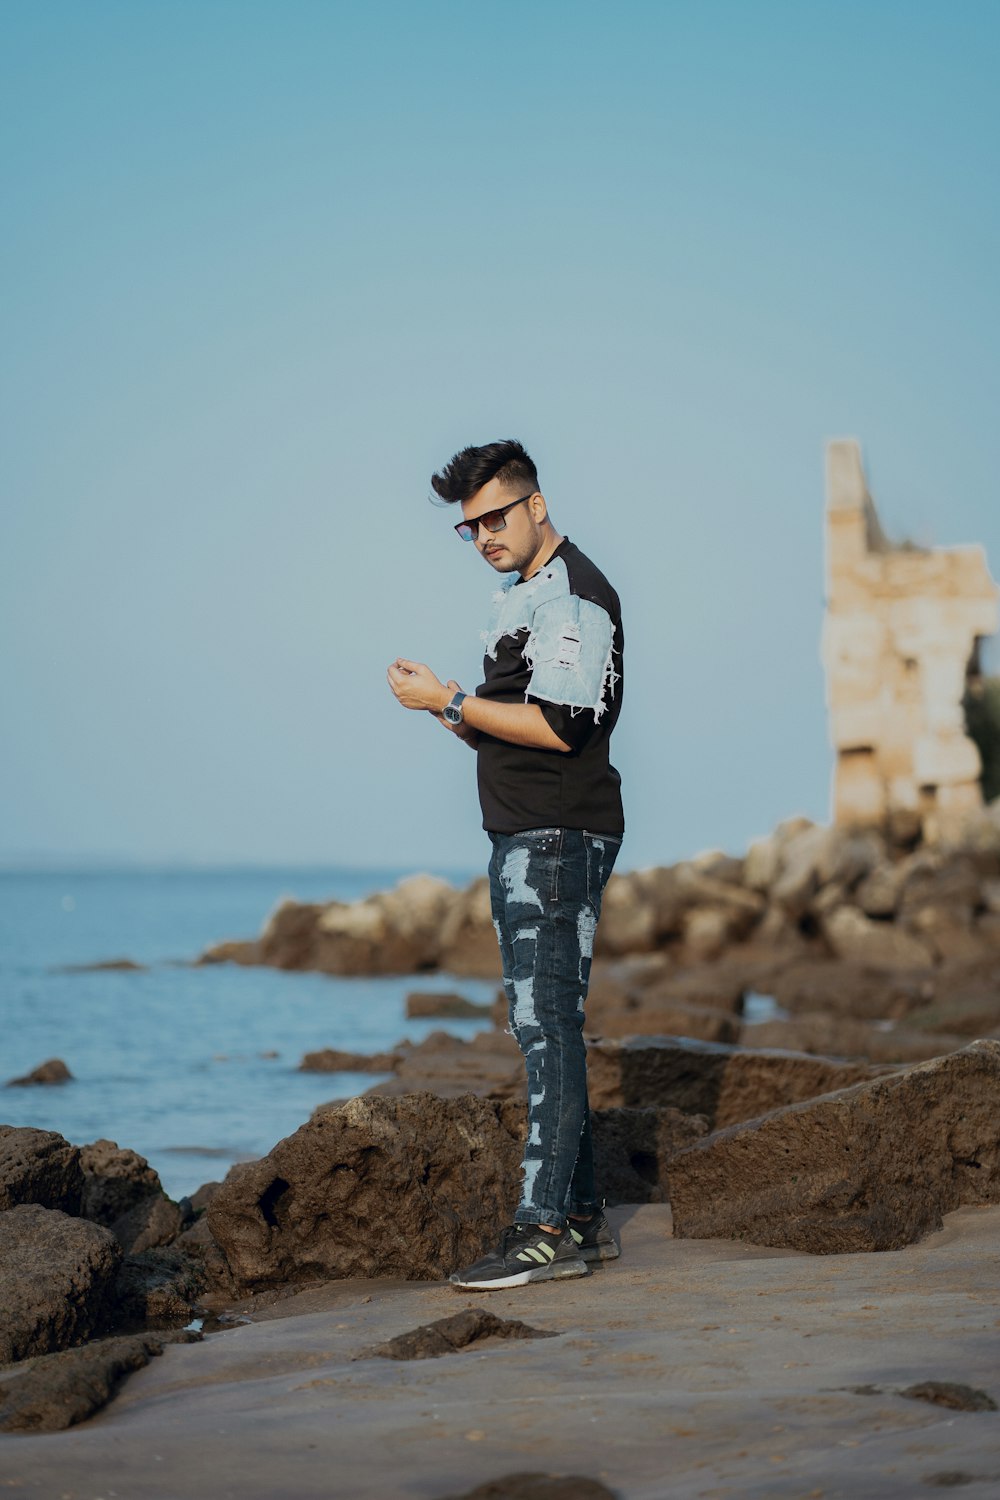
point(602, 851)
point(529, 864)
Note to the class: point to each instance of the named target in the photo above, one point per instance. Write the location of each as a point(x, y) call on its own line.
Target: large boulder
point(701, 1078)
point(408, 1187)
point(115, 1180)
point(880, 945)
point(57, 1277)
point(872, 1167)
point(39, 1166)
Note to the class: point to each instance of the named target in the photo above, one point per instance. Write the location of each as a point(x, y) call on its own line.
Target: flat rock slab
point(449, 1335)
point(872, 1167)
point(57, 1278)
point(687, 1368)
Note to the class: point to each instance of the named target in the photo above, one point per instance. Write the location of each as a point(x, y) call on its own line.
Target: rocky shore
point(798, 1050)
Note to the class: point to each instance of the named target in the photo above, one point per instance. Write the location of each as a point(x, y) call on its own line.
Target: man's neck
point(551, 543)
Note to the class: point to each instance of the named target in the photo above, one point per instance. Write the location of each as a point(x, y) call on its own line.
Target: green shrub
point(982, 718)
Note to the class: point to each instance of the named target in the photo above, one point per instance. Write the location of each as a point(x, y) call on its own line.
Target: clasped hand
point(416, 686)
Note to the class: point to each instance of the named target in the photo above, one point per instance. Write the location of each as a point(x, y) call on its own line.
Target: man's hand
point(415, 686)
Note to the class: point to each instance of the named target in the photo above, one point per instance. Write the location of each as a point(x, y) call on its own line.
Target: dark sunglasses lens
point(465, 532)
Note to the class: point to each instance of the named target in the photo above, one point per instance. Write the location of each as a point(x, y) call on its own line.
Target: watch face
point(452, 715)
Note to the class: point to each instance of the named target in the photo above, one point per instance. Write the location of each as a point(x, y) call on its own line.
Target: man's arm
point(416, 686)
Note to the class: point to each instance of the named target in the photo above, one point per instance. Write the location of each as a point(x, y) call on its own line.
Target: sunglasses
point(493, 520)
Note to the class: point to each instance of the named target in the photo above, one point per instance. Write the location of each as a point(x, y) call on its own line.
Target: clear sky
point(267, 266)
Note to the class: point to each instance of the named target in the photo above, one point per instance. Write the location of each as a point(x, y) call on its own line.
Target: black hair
point(469, 470)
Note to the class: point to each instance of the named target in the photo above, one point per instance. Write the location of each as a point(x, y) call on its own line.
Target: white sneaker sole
point(521, 1278)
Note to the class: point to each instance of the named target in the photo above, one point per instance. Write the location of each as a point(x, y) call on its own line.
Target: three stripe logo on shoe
point(539, 1253)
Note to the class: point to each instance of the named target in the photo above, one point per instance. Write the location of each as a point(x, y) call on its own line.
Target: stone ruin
point(901, 648)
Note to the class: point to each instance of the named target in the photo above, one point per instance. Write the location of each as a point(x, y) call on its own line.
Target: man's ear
point(538, 508)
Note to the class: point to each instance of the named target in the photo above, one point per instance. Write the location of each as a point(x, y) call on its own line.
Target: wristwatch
point(452, 712)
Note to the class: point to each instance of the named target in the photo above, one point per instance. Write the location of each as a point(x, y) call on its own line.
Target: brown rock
point(159, 1288)
point(632, 1148)
point(57, 1276)
point(849, 988)
point(880, 945)
point(645, 1016)
point(111, 965)
point(408, 1187)
point(152, 1222)
point(449, 1335)
point(725, 1084)
point(53, 1071)
point(628, 917)
point(235, 952)
point(39, 1166)
point(331, 1060)
point(531, 1486)
point(420, 1003)
point(199, 1244)
point(872, 1167)
point(115, 1180)
point(468, 938)
point(844, 1037)
point(59, 1390)
point(489, 1063)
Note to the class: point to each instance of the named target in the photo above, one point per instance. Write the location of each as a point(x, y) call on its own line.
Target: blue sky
point(267, 266)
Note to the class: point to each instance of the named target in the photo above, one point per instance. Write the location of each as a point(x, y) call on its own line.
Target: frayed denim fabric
point(546, 886)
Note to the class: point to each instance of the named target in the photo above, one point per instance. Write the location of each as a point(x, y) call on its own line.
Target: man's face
point(514, 548)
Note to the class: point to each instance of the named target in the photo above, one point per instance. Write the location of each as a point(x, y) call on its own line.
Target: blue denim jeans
point(546, 886)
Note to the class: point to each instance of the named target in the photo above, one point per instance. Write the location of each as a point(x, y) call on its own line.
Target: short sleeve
point(569, 652)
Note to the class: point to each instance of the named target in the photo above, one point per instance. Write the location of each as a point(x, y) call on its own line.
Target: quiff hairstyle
point(469, 470)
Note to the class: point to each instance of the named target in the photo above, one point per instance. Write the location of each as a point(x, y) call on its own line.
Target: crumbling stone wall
point(900, 644)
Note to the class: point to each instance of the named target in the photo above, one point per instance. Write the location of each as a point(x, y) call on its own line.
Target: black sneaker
point(594, 1237)
point(525, 1253)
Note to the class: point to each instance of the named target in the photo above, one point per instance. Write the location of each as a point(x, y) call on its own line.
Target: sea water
point(195, 1068)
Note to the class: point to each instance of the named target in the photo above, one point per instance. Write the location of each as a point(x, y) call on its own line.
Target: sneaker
point(525, 1253)
point(594, 1237)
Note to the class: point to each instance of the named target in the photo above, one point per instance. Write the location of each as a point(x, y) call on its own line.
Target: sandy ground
point(684, 1369)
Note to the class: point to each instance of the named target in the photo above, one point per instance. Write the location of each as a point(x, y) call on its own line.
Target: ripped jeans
point(546, 886)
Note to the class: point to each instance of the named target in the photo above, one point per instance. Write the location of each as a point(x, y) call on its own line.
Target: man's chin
point(502, 562)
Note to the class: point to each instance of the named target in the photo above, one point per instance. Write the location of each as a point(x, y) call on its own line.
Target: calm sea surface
point(173, 1061)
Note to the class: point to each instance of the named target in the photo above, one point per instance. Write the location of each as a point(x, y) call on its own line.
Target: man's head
point(485, 480)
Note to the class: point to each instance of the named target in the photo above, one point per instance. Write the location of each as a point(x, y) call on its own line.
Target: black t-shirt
point(555, 639)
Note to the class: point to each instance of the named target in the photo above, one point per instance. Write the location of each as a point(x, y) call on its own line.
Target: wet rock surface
point(449, 1335)
point(57, 1277)
point(39, 1166)
point(57, 1391)
point(872, 1167)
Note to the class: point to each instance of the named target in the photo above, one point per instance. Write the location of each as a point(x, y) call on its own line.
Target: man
point(541, 724)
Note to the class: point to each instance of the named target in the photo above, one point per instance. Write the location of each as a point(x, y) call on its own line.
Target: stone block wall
point(901, 639)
